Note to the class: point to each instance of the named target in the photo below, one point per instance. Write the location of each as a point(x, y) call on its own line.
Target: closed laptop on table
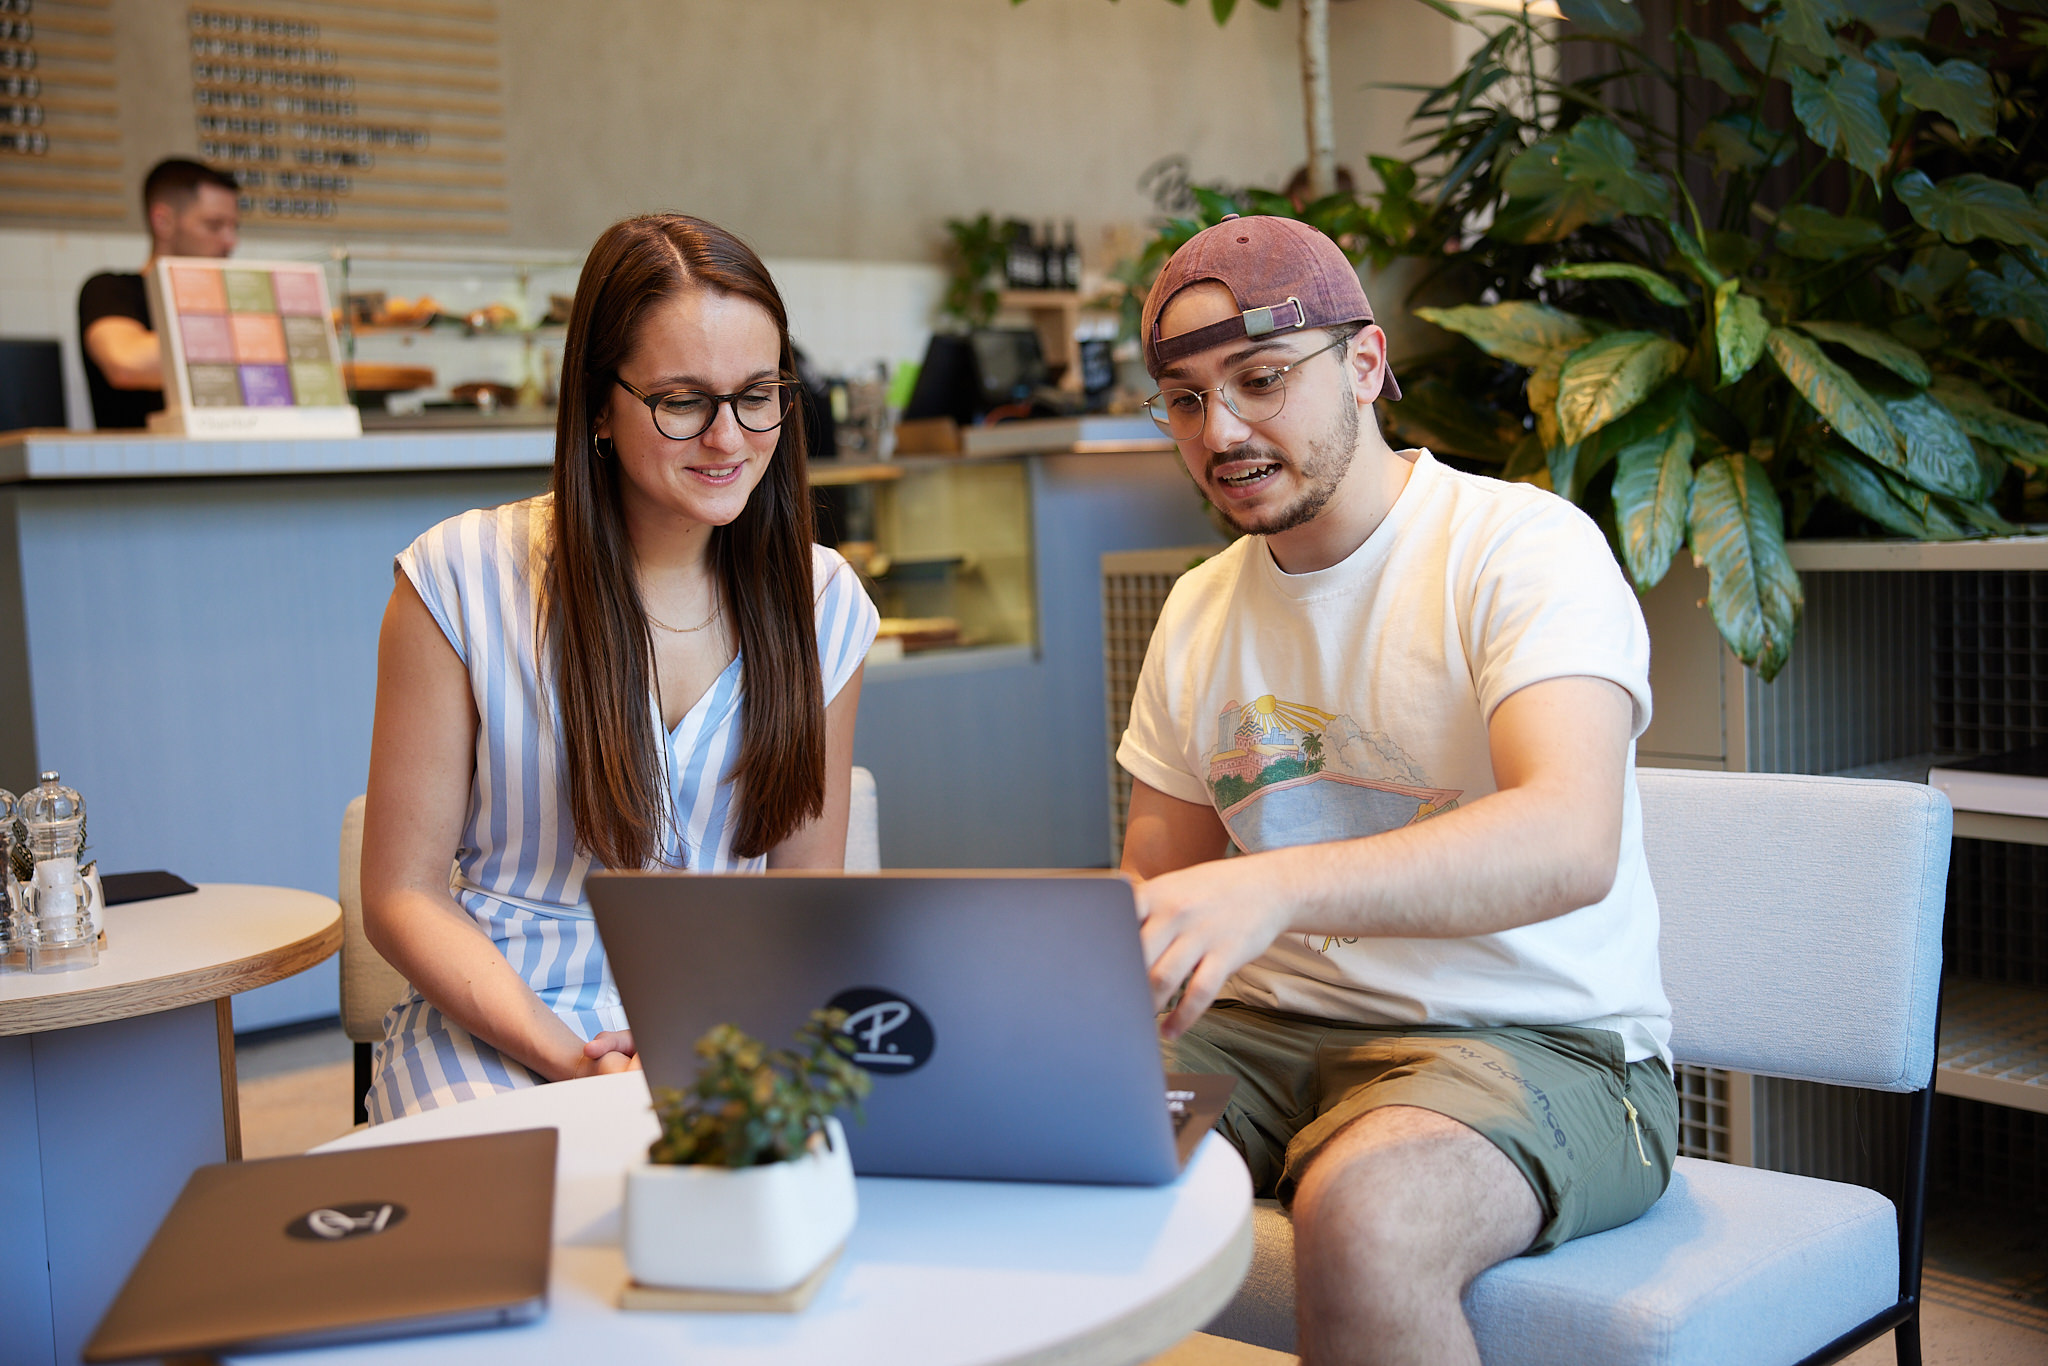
point(1006, 1018)
point(344, 1246)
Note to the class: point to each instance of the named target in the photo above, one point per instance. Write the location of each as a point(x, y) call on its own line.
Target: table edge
point(155, 994)
point(1153, 1327)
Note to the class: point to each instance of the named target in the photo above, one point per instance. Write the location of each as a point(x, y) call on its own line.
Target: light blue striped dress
point(518, 871)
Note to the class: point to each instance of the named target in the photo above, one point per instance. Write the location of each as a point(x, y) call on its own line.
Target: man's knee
point(1413, 1193)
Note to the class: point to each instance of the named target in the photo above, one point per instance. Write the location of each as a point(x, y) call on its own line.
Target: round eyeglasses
point(684, 414)
point(1254, 395)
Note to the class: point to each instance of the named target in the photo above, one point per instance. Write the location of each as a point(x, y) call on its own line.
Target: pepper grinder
point(17, 928)
point(64, 904)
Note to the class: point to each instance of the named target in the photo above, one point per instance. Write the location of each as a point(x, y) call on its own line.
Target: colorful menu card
point(250, 349)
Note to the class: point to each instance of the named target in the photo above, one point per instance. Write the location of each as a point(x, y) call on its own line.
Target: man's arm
point(1546, 842)
point(127, 353)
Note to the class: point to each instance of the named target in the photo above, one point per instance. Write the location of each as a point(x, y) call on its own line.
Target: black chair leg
point(1906, 1340)
point(363, 1091)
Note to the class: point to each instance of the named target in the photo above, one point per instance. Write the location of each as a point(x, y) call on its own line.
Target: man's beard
point(1321, 471)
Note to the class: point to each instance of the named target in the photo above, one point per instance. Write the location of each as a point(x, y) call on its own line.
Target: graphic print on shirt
point(1286, 773)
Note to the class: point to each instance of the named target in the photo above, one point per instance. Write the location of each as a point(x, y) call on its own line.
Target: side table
point(119, 1079)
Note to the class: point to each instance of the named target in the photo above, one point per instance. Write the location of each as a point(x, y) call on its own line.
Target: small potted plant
point(750, 1188)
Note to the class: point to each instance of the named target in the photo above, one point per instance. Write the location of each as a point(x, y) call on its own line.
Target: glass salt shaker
point(63, 903)
point(17, 929)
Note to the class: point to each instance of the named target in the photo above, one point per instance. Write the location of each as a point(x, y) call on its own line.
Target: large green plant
point(1814, 300)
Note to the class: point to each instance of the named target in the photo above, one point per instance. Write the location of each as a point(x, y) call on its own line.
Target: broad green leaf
point(1863, 487)
point(1520, 330)
point(1652, 482)
point(1738, 528)
point(1806, 23)
point(1214, 203)
point(1653, 284)
point(1984, 419)
point(1893, 354)
point(1608, 377)
point(1958, 90)
point(1598, 154)
point(1606, 18)
point(1977, 15)
point(1932, 273)
point(1966, 207)
point(1841, 114)
point(1740, 330)
point(1740, 142)
point(1542, 392)
point(1563, 464)
point(1938, 453)
point(1690, 252)
point(1814, 234)
point(1715, 64)
point(1777, 58)
point(2015, 294)
point(1588, 175)
point(1892, 18)
point(1544, 204)
point(1834, 393)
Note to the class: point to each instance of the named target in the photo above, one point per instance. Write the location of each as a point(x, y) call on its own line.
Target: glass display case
point(944, 547)
point(452, 337)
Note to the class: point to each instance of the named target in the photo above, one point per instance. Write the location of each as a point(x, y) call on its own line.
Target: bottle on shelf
point(1070, 259)
point(64, 902)
point(1052, 274)
point(1022, 267)
point(17, 928)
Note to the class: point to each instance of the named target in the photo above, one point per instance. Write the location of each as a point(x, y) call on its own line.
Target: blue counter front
point(188, 632)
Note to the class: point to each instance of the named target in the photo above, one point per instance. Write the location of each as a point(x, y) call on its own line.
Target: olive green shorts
point(1555, 1099)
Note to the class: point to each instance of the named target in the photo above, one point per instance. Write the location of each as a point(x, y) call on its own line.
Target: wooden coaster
point(638, 1296)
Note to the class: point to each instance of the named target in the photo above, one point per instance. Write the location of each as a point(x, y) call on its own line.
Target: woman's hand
point(611, 1051)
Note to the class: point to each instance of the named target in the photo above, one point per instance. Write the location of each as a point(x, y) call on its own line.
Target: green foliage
point(978, 247)
point(1815, 302)
point(751, 1105)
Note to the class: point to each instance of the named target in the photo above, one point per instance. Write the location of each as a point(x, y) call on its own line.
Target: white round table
point(116, 1081)
point(937, 1273)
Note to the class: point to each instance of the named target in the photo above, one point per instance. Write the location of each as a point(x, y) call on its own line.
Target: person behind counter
point(192, 210)
point(559, 680)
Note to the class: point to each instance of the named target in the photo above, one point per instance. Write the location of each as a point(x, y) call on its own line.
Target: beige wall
point(851, 129)
point(854, 128)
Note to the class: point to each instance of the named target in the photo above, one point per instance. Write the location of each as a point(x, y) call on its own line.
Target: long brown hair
point(593, 621)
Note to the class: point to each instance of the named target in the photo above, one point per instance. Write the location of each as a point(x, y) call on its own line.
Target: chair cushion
point(1732, 1265)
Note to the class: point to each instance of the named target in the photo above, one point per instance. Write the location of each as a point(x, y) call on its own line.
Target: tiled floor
point(1986, 1272)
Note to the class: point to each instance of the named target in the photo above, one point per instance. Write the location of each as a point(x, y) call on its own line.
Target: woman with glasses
point(648, 666)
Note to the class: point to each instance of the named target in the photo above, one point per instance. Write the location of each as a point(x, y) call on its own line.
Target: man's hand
point(1203, 923)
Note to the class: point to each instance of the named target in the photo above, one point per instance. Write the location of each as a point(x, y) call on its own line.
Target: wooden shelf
point(1056, 314)
point(1994, 1044)
point(1994, 553)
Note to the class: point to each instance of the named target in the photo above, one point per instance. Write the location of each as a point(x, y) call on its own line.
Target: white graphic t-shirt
point(1354, 700)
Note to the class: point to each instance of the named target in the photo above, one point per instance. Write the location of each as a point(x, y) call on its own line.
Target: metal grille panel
point(1990, 661)
point(1704, 1130)
point(1856, 690)
point(1134, 588)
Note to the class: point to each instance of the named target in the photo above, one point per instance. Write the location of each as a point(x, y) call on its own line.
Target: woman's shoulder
point(511, 533)
point(831, 575)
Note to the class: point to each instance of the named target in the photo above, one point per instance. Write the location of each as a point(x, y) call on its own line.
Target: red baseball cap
point(1285, 275)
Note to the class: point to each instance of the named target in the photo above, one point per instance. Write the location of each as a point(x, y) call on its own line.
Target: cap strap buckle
point(1260, 322)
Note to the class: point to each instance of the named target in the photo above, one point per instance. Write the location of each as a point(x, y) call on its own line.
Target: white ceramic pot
point(756, 1229)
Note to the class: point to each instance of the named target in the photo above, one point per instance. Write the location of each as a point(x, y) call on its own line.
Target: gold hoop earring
point(602, 446)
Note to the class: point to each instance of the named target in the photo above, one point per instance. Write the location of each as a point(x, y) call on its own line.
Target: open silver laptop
point(338, 1247)
point(1005, 1018)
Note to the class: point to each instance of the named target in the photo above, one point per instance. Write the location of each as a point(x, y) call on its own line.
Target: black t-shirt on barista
point(115, 296)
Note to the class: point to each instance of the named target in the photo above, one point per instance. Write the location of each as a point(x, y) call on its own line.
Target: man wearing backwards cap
point(1409, 698)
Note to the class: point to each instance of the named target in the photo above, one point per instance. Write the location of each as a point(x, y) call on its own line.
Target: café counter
point(188, 633)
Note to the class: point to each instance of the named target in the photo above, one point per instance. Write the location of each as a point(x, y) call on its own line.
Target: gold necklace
point(685, 630)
